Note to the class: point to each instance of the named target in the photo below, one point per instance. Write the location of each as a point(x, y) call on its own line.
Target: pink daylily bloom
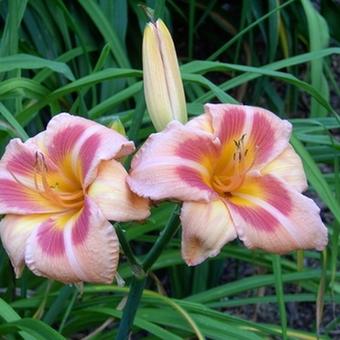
point(238, 176)
point(58, 191)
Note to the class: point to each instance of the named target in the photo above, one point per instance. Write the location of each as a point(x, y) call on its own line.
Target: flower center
point(69, 200)
point(230, 176)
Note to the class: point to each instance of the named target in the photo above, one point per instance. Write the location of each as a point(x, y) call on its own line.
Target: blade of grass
point(273, 32)
point(9, 315)
point(10, 37)
point(30, 112)
point(316, 179)
point(26, 61)
point(21, 133)
point(243, 78)
point(35, 328)
point(318, 39)
point(110, 36)
point(250, 283)
point(150, 327)
point(191, 32)
point(245, 30)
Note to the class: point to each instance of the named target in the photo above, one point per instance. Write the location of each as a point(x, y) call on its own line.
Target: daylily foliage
point(58, 191)
point(235, 171)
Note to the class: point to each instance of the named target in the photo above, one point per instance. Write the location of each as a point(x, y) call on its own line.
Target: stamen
point(18, 180)
point(74, 205)
point(71, 196)
point(225, 185)
point(68, 200)
point(48, 192)
point(232, 175)
point(219, 184)
point(40, 162)
point(41, 169)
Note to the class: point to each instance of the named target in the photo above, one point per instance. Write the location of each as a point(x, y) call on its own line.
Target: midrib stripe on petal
point(91, 130)
point(69, 250)
point(284, 221)
point(248, 124)
point(176, 162)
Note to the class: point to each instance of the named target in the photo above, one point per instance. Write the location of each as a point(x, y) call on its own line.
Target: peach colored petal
point(288, 167)
point(271, 216)
point(171, 165)
point(265, 134)
point(37, 141)
point(97, 253)
point(74, 247)
point(19, 194)
point(78, 145)
point(14, 231)
point(207, 227)
point(202, 122)
point(112, 194)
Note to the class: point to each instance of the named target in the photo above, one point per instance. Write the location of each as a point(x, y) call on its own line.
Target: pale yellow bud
point(163, 87)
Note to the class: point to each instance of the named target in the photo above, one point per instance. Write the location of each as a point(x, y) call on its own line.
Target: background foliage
point(84, 57)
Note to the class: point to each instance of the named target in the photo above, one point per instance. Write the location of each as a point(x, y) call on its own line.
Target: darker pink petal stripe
point(257, 217)
point(231, 125)
point(276, 194)
point(195, 148)
point(51, 239)
point(14, 195)
point(64, 141)
point(192, 177)
point(88, 151)
point(262, 136)
point(82, 224)
point(22, 162)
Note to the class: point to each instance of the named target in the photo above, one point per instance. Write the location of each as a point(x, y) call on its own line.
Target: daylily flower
point(58, 191)
point(163, 86)
point(238, 176)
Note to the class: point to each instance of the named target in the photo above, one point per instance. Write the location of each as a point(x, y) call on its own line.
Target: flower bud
point(163, 88)
point(118, 126)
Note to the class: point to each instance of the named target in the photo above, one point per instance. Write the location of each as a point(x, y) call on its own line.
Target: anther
point(40, 163)
point(238, 143)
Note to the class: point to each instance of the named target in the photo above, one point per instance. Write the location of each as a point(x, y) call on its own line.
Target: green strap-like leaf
point(26, 61)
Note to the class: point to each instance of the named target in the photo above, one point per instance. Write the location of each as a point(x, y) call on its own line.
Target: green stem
point(138, 280)
point(280, 294)
point(133, 261)
point(130, 309)
point(165, 236)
